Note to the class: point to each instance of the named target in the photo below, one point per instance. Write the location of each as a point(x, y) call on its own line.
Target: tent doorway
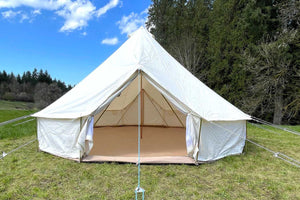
point(163, 128)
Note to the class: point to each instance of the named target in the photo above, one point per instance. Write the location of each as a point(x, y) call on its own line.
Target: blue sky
point(68, 38)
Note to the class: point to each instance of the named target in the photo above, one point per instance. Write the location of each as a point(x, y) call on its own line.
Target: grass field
point(256, 174)
point(16, 105)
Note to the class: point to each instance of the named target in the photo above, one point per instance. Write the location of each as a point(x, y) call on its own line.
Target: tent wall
point(220, 139)
point(62, 137)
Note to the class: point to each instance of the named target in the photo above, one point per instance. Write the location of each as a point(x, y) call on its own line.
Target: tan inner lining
point(155, 109)
point(123, 141)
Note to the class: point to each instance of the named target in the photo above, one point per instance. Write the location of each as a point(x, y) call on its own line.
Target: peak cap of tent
point(142, 29)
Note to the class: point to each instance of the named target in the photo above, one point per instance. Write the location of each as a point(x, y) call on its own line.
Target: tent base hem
point(145, 160)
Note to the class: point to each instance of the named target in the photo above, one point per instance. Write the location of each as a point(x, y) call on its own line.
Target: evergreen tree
point(274, 64)
point(235, 26)
point(34, 77)
point(214, 39)
point(29, 87)
point(182, 28)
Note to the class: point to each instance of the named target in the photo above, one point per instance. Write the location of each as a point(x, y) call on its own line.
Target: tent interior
point(162, 133)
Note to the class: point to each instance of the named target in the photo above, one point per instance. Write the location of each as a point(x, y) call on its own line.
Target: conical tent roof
point(142, 52)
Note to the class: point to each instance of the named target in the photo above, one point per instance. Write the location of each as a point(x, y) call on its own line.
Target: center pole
point(139, 189)
point(141, 91)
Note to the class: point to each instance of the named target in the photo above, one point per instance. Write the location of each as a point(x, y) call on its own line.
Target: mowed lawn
point(256, 174)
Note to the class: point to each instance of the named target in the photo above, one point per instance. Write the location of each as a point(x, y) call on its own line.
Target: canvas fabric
point(172, 97)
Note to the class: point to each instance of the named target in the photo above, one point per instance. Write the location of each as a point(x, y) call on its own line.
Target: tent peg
point(3, 154)
point(139, 190)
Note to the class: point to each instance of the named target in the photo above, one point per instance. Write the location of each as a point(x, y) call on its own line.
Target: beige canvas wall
point(156, 109)
point(123, 141)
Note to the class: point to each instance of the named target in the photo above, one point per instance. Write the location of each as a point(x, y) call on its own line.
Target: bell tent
point(141, 85)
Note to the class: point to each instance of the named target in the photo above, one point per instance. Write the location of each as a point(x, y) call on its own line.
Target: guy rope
point(15, 120)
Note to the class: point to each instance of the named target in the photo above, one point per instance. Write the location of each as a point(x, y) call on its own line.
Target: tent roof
point(142, 52)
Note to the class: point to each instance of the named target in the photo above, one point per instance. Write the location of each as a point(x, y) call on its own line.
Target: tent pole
point(172, 110)
point(79, 160)
point(138, 189)
point(142, 105)
point(142, 112)
point(139, 129)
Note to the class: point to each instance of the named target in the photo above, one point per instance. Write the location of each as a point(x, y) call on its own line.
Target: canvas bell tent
point(181, 119)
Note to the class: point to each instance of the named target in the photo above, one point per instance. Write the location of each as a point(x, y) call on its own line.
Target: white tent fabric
point(63, 124)
point(220, 139)
point(59, 136)
point(192, 134)
point(141, 51)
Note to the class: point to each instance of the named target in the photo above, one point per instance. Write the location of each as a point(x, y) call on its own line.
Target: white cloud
point(110, 41)
point(110, 5)
point(76, 13)
point(38, 4)
point(19, 15)
point(84, 33)
point(132, 22)
point(10, 14)
point(24, 17)
point(36, 12)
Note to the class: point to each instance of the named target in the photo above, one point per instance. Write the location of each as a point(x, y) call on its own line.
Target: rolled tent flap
point(192, 135)
point(80, 143)
point(85, 138)
point(89, 136)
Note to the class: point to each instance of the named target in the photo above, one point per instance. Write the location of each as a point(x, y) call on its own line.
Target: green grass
point(11, 110)
point(11, 131)
point(16, 105)
point(256, 174)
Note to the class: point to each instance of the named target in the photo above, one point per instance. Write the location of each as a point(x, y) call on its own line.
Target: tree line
point(36, 86)
point(247, 51)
